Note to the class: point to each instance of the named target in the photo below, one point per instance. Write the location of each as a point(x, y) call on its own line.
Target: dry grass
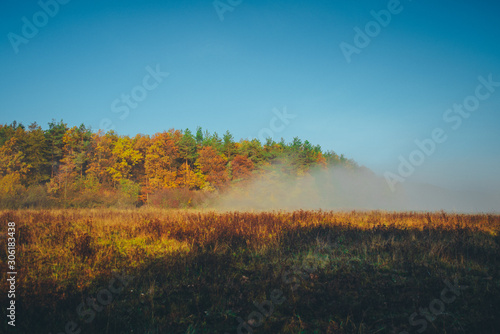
point(198, 271)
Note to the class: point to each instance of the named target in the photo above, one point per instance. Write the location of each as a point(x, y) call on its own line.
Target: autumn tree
point(241, 167)
point(160, 161)
point(213, 166)
point(101, 157)
point(125, 157)
point(74, 163)
point(320, 160)
point(191, 178)
point(67, 182)
point(13, 168)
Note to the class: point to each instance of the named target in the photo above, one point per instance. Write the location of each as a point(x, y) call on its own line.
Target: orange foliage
point(320, 160)
point(242, 167)
point(213, 166)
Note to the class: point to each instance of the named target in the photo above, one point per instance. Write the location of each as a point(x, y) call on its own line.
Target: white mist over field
point(341, 189)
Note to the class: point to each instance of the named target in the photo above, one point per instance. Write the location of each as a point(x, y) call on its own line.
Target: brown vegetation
point(198, 271)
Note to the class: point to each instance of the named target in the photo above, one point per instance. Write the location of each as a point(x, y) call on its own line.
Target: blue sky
point(231, 74)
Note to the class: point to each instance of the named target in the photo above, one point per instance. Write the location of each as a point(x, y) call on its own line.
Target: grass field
point(163, 271)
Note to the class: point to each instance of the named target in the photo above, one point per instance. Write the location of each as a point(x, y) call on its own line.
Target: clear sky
point(229, 67)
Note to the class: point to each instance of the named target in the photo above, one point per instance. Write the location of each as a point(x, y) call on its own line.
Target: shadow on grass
point(344, 280)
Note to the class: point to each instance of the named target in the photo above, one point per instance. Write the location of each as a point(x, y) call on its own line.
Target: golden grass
point(68, 253)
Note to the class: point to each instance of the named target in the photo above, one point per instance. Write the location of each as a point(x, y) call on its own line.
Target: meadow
point(199, 271)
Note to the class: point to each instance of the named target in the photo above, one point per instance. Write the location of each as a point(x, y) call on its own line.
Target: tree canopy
point(73, 166)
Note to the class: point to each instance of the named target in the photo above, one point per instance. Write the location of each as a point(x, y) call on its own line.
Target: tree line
point(73, 166)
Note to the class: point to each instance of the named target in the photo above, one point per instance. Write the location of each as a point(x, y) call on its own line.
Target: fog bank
point(341, 189)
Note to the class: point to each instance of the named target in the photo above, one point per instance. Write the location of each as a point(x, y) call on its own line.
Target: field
point(182, 271)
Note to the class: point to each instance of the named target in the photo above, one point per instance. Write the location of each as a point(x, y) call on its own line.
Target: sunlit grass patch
point(140, 249)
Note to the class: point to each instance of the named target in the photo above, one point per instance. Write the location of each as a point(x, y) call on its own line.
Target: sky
point(362, 78)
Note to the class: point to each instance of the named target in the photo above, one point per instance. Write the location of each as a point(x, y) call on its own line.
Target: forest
point(64, 167)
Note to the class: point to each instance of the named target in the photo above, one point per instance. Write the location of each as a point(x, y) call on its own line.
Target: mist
point(338, 188)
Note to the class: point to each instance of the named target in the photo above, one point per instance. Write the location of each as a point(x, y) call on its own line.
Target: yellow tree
point(125, 157)
point(13, 169)
point(189, 178)
point(101, 158)
point(160, 167)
